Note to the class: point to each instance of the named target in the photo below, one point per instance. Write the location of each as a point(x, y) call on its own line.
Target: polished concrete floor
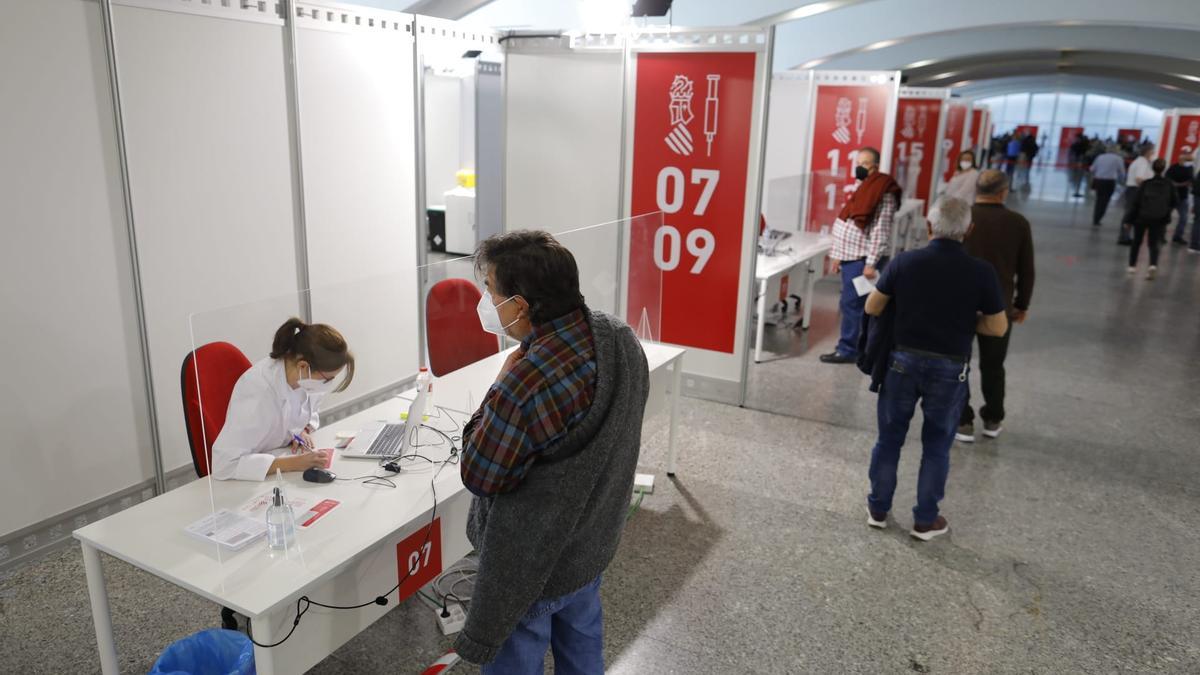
point(1073, 548)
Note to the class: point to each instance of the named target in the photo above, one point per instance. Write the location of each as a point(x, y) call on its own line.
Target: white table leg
point(676, 379)
point(101, 616)
point(265, 633)
point(762, 320)
point(808, 296)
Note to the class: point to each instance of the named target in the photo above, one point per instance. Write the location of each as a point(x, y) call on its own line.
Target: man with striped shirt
point(862, 239)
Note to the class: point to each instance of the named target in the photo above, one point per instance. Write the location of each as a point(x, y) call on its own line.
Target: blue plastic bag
point(210, 652)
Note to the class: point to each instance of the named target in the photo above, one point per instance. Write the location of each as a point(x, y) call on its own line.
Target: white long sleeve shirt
point(264, 412)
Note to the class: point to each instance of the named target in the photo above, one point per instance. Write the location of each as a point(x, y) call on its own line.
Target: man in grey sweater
point(550, 456)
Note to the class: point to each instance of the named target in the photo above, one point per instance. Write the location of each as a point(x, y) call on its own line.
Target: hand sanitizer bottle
point(425, 385)
point(281, 523)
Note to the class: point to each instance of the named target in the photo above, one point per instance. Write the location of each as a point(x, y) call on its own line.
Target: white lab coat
point(264, 412)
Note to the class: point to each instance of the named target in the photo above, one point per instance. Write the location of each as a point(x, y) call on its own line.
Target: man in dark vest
point(862, 239)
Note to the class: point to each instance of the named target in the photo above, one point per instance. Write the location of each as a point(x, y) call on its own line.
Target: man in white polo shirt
point(1139, 171)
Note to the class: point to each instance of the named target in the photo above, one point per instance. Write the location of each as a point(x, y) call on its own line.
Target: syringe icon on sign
point(710, 111)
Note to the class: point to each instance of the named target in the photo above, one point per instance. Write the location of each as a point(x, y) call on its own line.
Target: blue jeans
point(573, 625)
point(851, 306)
point(1182, 210)
point(941, 385)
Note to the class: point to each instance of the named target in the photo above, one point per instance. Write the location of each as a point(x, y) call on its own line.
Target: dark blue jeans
point(851, 306)
point(941, 386)
point(573, 625)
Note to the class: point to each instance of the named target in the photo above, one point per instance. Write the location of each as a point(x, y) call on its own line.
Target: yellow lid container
point(465, 178)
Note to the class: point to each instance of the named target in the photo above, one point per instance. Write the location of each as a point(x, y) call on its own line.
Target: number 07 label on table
point(691, 146)
point(419, 558)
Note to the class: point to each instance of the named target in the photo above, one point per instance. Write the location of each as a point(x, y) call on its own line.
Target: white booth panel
point(74, 410)
point(443, 139)
point(210, 164)
point(788, 122)
point(356, 102)
point(563, 152)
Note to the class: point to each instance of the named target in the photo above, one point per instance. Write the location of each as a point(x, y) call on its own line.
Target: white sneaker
point(992, 429)
point(1152, 272)
point(877, 524)
point(965, 433)
point(1131, 271)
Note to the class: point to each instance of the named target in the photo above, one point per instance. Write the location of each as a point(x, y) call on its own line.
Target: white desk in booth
point(806, 250)
point(347, 558)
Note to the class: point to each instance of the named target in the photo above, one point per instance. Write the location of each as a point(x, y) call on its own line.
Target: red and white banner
point(1065, 140)
point(691, 150)
point(954, 140)
point(1129, 135)
point(981, 129)
point(977, 115)
point(915, 152)
point(1164, 136)
point(1186, 138)
point(846, 117)
point(1027, 129)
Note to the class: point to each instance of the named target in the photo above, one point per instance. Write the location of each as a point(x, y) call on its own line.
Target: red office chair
point(453, 333)
point(205, 402)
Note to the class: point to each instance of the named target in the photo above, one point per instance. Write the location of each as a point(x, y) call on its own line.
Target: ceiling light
point(882, 44)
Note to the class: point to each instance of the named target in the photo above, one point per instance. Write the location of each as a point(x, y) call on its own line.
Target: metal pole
point(293, 94)
point(422, 219)
point(139, 303)
point(620, 304)
point(765, 102)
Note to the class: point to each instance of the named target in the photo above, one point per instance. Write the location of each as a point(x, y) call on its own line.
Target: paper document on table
point(863, 285)
point(308, 509)
point(229, 529)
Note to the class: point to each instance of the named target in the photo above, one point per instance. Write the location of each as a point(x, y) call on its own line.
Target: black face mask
point(861, 172)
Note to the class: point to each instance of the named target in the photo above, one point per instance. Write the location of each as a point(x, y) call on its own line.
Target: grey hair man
point(1004, 239)
point(941, 298)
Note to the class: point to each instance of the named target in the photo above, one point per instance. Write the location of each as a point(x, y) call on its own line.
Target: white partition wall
point(356, 107)
point(74, 417)
point(788, 122)
point(563, 144)
point(211, 174)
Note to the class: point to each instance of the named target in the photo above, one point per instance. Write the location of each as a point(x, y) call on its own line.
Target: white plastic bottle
point(425, 385)
point(281, 523)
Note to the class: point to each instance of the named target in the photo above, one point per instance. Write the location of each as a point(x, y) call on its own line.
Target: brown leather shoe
point(929, 531)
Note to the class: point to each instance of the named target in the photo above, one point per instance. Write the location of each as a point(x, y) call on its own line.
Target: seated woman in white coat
point(273, 410)
point(962, 184)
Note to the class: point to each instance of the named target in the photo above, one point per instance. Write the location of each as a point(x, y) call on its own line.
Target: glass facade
point(1099, 115)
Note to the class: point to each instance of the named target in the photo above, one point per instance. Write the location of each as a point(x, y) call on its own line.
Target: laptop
point(381, 439)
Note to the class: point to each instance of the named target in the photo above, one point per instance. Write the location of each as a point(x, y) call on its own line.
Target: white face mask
point(313, 386)
point(966, 166)
point(489, 317)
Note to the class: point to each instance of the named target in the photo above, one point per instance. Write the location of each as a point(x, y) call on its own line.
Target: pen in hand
point(300, 443)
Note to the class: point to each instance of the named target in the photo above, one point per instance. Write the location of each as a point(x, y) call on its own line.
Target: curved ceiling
point(1136, 50)
point(1125, 49)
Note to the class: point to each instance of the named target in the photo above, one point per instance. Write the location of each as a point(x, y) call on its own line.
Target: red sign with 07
point(691, 147)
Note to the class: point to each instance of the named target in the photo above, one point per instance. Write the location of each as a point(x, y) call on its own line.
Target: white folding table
point(348, 557)
point(807, 250)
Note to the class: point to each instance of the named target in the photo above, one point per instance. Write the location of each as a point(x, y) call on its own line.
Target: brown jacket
point(1004, 239)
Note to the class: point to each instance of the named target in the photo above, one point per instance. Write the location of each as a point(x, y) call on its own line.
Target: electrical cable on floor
point(637, 504)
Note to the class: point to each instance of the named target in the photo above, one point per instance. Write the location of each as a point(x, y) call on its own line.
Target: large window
point(1099, 115)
